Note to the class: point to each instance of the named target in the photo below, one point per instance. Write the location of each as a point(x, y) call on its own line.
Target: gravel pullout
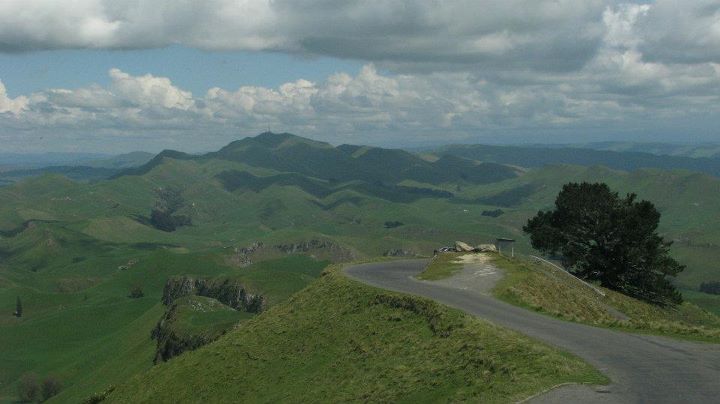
point(477, 275)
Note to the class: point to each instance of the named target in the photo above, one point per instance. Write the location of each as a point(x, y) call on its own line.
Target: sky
point(114, 76)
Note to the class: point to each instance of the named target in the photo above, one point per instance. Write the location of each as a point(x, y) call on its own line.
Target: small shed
point(505, 244)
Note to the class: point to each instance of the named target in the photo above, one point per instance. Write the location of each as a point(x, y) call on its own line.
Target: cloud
point(542, 34)
point(617, 90)
point(412, 35)
point(436, 70)
point(11, 105)
point(685, 31)
point(149, 91)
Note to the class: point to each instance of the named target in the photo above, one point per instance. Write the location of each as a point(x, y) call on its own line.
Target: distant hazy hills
point(661, 149)
point(538, 156)
point(476, 164)
point(79, 167)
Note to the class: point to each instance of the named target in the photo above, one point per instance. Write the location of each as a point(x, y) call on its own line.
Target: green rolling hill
point(339, 340)
point(268, 213)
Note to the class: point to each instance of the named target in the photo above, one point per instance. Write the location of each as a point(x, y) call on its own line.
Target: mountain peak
point(274, 139)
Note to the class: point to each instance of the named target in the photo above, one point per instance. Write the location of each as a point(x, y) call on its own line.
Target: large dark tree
point(603, 237)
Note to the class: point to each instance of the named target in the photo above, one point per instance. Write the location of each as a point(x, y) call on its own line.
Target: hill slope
point(288, 153)
point(547, 289)
point(339, 340)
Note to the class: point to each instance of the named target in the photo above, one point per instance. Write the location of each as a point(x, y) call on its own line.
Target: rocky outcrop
point(486, 248)
point(305, 246)
point(397, 252)
point(228, 292)
point(171, 343)
point(463, 247)
point(317, 248)
point(323, 248)
point(243, 255)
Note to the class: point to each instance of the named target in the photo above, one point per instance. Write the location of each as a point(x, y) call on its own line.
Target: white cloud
point(685, 31)
point(412, 33)
point(149, 91)
point(446, 69)
point(616, 89)
point(11, 105)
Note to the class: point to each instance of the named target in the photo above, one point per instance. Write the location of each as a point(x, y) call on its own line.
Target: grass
point(80, 324)
point(541, 288)
point(339, 340)
point(708, 302)
point(206, 316)
point(97, 336)
point(444, 265)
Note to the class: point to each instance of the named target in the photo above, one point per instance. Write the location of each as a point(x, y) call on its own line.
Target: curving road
point(643, 369)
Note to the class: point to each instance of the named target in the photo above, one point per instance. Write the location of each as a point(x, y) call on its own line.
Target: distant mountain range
point(79, 167)
point(287, 152)
point(660, 149)
point(539, 156)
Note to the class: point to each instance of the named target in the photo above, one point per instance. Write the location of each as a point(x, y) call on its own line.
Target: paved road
point(643, 369)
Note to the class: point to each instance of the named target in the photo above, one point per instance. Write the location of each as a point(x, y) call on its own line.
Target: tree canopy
point(603, 237)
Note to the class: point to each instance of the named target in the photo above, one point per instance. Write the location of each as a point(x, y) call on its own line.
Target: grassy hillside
point(64, 244)
point(80, 325)
point(233, 202)
point(339, 340)
point(541, 287)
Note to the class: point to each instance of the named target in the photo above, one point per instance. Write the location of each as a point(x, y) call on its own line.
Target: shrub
point(28, 387)
point(493, 213)
point(136, 292)
point(712, 287)
point(51, 386)
point(99, 397)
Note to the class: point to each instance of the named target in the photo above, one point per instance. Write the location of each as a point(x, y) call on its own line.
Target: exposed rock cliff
point(229, 292)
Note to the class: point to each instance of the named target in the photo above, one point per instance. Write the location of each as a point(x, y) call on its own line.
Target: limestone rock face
point(229, 292)
point(463, 247)
point(398, 252)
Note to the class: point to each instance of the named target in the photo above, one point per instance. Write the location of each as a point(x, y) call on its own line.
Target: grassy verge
point(708, 302)
point(442, 266)
point(541, 288)
point(339, 340)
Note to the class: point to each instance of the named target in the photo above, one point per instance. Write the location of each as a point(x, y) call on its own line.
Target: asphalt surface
point(643, 369)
